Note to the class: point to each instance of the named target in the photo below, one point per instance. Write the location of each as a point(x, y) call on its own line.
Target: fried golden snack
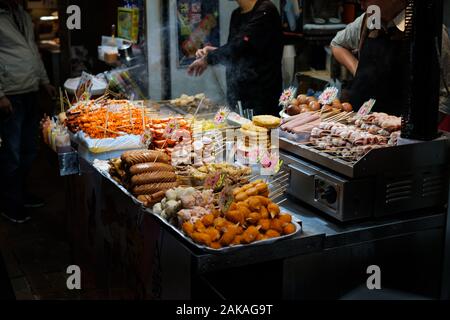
point(228, 237)
point(253, 218)
point(289, 229)
point(243, 208)
point(286, 218)
point(199, 226)
point(233, 206)
point(237, 240)
point(276, 225)
point(241, 196)
point(235, 216)
point(219, 223)
point(273, 234)
point(252, 192)
point(250, 235)
point(216, 245)
point(208, 220)
point(188, 228)
point(274, 210)
point(260, 237)
point(264, 200)
point(262, 187)
point(265, 224)
point(202, 238)
point(213, 233)
point(264, 213)
point(254, 203)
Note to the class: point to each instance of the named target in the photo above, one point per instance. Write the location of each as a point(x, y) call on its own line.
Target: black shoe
point(33, 202)
point(17, 218)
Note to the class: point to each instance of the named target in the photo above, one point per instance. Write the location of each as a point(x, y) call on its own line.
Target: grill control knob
point(330, 195)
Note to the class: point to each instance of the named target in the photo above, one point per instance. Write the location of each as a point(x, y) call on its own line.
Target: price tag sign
point(171, 128)
point(221, 116)
point(147, 138)
point(287, 96)
point(328, 96)
point(215, 181)
point(366, 108)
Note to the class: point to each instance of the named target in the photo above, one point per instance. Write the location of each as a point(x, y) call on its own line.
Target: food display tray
point(101, 167)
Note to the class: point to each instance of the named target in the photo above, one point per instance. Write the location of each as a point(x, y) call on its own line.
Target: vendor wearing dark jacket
point(377, 58)
point(252, 56)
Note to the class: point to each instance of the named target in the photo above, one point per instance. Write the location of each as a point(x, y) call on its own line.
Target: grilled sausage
point(142, 156)
point(147, 189)
point(150, 167)
point(153, 177)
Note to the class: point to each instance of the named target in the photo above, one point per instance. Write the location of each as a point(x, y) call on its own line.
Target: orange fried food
point(274, 210)
point(199, 226)
point(235, 216)
point(262, 187)
point(233, 206)
point(237, 240)
point(286, 218)
point(216, 245)
point(250, 235)
point(213, 233)
point(252, 192)
point(273, 234)
point(188, 228)
point(260, 237)
point(265, 224)
point(208, 220)
point(228, 237)
point(254, 203)
point(243, 208)
point(264, 213)
point(202, 238)
point(253, 218)
point(220, 223)
point(276, 225)
point(289, 229)
point(264, 200)
point(241, 196)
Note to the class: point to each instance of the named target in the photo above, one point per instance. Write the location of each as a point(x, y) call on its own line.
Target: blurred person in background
point(252, 57)
point(376, 58)
point(22, 73)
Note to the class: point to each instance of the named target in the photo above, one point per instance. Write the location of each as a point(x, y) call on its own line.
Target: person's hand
point(204, 52)
point(5, 107)
point(51, 90)
point(198, 67)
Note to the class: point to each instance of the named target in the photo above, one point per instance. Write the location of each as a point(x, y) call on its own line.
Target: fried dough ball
point(241, 196)
point(289, 229)
point(208, 220)
point(202, 238)
point(254, 203)
point(252, 192)
point(216, 245)
point(243, 208)
point(253, 218)
point(237, 240)
point(260, 237)
point(233, 206)
point(265, 194)
point(188, 228)
point(274, 210)
point(276, 225)
point(264, 213)
point(262, 187)
point(286, 218)
point(265, 224)
point(264, 200)
point(220, 223)
point(228, 237)
point(272, 234)
point(235, 216)
point(239, 230)
point(199, 226)
point(213, 233)
point(250, 235)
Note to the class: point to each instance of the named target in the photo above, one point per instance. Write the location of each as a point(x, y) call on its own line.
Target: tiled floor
point(36, 253)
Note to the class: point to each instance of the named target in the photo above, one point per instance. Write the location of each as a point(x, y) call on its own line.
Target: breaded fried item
point(199, 226)
point(276, 225)
point(253, 218)
point(216, 246)
point(250, 235)
point(286, 218)
point(289, 229)
point(267, 121)
point(235, 216)
point(202, 238)
point(264, 213)
point(265, 224)
point(213, 233)
point(274, 210)
point(208, 220)
point(273, 234)
point(188, 228)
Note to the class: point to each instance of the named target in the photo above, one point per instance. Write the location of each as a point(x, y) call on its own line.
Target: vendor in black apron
point(380, 67)
point(252, 57)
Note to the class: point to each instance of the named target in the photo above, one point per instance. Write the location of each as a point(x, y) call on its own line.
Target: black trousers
point(6, 291)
